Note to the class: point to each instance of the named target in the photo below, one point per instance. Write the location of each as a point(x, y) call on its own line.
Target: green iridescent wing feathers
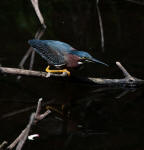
point(51, 54)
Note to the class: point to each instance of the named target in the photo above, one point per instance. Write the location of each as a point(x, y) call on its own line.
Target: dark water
point(94, 118)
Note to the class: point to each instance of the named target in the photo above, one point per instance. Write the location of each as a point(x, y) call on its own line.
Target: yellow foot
point(57, 71)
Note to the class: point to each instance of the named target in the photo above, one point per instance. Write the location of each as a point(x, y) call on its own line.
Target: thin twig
point(25, 57)
point(38, 107)
point(126, 74)
point(42, 116)
point(14, 143)
point(35, 4)
point(101, 25)
point(32, 60)
point(136, 2)
point(17, 112)
point(39, 116)
point(125, 92)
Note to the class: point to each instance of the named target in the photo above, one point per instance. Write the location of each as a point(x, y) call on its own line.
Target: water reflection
point(91, 119)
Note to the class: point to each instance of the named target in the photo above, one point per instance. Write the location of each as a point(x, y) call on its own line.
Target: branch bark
point(128, 81)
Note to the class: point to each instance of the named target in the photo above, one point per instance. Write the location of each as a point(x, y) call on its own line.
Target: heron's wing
point(51, 54)
point(62, 46)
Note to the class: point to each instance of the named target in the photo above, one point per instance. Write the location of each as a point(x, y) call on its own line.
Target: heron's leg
point(57, 71)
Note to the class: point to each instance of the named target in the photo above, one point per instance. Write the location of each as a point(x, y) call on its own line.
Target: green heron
point(60, 55)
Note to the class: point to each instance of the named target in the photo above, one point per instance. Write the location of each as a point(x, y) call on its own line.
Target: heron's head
point(86, 57)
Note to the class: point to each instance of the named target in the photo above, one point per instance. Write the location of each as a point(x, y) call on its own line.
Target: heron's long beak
point(98, 61)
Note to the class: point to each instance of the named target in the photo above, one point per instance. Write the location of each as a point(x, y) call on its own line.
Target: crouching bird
point(61, 55)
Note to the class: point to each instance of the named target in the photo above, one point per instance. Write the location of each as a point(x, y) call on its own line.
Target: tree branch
point(34, 118)
point(128, 81)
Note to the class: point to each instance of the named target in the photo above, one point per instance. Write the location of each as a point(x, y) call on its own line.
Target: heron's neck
point(72, 61)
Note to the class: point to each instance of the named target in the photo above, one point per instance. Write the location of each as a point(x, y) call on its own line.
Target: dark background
point(98, 119)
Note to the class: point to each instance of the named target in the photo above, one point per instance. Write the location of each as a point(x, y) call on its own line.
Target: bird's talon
point(56, 71)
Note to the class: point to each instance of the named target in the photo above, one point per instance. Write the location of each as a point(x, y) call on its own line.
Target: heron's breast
point(72, 60)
